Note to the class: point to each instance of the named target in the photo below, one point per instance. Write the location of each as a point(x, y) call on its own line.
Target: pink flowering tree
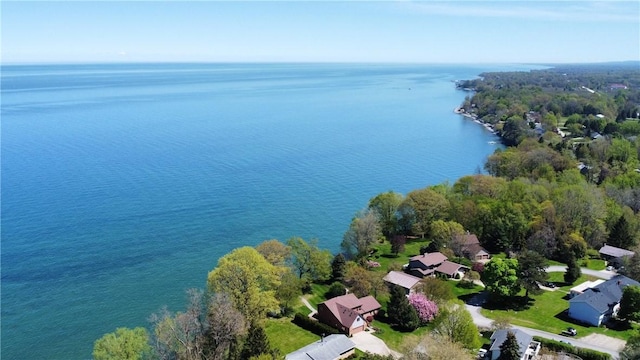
point(427, 309)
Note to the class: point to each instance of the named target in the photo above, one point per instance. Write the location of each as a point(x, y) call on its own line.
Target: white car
point(482, 353)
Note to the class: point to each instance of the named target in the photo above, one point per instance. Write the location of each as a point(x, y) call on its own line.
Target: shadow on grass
point(612, 324)
point(516, 303)
point(390, 256)
point(467, 297)
point(384, 319)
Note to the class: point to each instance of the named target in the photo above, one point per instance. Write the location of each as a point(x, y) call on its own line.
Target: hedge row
point(314, 326)
point(585, 354)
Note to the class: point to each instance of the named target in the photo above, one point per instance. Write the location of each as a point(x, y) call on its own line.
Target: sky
point(320, 31)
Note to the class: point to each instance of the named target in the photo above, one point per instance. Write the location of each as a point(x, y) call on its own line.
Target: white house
point(598, 304)
point(579, 289)
point(528, 347)
point(332, 347)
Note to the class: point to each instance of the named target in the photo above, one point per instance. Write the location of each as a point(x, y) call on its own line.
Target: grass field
point(388, 260)
point(287, 336)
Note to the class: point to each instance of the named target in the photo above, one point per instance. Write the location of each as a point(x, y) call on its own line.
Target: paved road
point(603, 274)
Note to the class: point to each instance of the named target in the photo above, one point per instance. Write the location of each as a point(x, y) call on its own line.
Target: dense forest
point(567, 183)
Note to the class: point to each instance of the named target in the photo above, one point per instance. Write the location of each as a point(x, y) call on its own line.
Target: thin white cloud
point(606, 11)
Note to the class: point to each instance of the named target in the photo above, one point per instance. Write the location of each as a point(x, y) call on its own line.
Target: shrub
point(314, 326)
point(336, 289)
point(585, 354)
point(478, 267)
point(466, 284)
point(473, 275)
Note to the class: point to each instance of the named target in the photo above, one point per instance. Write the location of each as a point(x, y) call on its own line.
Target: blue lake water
point(123, 184)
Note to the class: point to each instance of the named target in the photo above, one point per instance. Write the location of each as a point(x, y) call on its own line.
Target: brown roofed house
point(406, 281)
point(347, 313)
point(469, 246)
point(451, 269)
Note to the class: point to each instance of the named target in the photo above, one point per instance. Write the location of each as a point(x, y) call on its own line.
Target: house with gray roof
point(598, 304)
point(528, 348)
point(332, 347)
point(614, 255)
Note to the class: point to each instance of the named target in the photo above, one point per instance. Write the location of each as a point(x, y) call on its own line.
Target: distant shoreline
point(474, 117)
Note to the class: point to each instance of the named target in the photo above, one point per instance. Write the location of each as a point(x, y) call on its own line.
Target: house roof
point(368, 304)
point(586, 285)
point(499, 337)
point(423, 271)
point(430, 259)
point(328, 348)
point(474, 249)
point(614, 251)
point(601, 297)
point(469, 239)
point(449, 268)
point(347, 308)
point(401, 279)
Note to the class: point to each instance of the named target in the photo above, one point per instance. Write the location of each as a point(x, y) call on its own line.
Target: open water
point(122, 184)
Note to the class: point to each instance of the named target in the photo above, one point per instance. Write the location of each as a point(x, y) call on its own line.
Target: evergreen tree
point(400, 312)
point(510, 350)
point(338, 267)
point(573, 271)
point(531, 271)
point(256, 343)
point(622, 234)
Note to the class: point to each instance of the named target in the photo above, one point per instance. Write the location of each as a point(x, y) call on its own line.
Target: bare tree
point(226, 325)
point(181, 336)
point(203, 332)
point(363, 232)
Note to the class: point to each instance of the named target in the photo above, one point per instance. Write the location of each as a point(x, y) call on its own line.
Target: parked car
point(570, 332)
point(482, 353)
point(550, 285)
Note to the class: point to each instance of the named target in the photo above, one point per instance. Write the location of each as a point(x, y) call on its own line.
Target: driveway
point(366, 342)
point(602, 274)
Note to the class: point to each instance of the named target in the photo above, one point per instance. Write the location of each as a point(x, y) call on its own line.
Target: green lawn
point(317, 294)
point(593, 264)
point(386, 258)
point(547, 312)
point(462, 292)
point(394, 338)
point(287, 336)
